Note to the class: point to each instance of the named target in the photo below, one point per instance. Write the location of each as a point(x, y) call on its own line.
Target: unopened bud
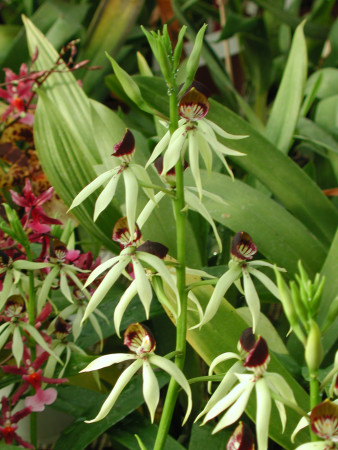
point(314, 349)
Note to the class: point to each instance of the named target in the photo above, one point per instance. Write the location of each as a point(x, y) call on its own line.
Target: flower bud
point(314, 349)
point(241, 438)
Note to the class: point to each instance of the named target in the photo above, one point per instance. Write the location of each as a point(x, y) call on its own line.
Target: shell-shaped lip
point(154, 248)
point(126, 147)
point(4, 258)
point(241, 438)
point(139, 339)
point(324, 419)
point(247, 340)
point(15, 304)
point(258, 355)
point(58, 249)
point(243, 247)
point(62, 327)
point(193, 105)
point(121, 233)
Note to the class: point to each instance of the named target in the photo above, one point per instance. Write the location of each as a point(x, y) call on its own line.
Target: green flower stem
point(31, 320)
point(210, 282)
point(181, 325)
point(315, 398)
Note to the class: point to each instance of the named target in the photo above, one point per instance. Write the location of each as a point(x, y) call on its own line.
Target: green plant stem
point(181, 325)
point(315, 398)
point(31, 320)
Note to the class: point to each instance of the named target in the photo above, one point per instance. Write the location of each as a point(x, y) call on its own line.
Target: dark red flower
point(8, 421)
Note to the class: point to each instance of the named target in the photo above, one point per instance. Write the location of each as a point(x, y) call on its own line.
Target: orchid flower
point(18, 93)
point(242, 251)
point(16, 324)
point(8, 425)
point(323, 421)
point(141, 342)
point(32, 375)
point(132, 173)
point(35, 217)
point(149, 254)
point(233, 400)
point(197, 133)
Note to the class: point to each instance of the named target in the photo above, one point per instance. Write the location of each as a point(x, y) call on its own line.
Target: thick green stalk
point(315, 397)
point(181, 326)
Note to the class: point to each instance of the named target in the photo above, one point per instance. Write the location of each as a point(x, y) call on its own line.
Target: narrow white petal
point(46, 286)
point(64, 287)
point(205, 151)
point(223, 133)
point(221, 358)
point(107, 360)
point(95, 324)
point(251, 298)
point(219, 292)
point(121, 383)
point(229, 399)
point(91, 187)
point(173, 153)
point(131, 186)
point(5, 333)
point(151, 391)
point(105, 197)
point(192, 297)
point(6, 288)
point(208, 194)
point(76, 325)
point(17, 346)
point(322, 445)
point(264, 279)
point(194, 161)
point(122, 305)
point(195, 204)
point(101, 268)
point(223, 388)
point(263, 411)
point(198, 273)
point(159, 148)
point(277, 383)
point(105, 285)
point(160, 267)
point(282, 413)
point(225, 163)
point(143, 286)
point(303, 423)
point(148, 209)
point(169, 367)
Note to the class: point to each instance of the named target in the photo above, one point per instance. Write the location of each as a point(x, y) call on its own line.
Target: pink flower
point(32, 376)
point(18, 94)
point(35, 216)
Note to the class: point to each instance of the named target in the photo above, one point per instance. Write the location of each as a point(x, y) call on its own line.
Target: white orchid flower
point(323, 421)
point(242, 251)
point(198, 134)
point(140, 341)
point(132, 173)
point(147, 255)
point(234, 391)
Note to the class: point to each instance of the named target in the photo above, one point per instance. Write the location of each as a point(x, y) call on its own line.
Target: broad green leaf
point(327, 114)
point(111, 24)
point(7, 35)
point(279, 236)
point(309, 131)
point(285, 110)
point(81, 403)
point(328, 82)
point(330, 270)
point(283, 177)
point(202, 439)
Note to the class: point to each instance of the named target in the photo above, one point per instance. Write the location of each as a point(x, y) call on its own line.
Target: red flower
point(8, 421)
point(35, 217)
point(18, 94)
